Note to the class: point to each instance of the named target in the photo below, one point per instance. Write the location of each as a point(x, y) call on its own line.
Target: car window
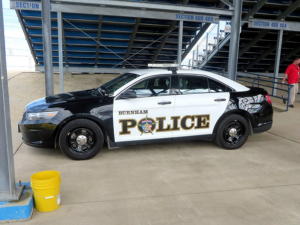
point(215, 86)
point(193, 85)
point(156, 86)
point(113, 85)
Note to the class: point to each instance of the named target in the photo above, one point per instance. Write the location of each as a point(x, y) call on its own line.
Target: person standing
point(292, 74)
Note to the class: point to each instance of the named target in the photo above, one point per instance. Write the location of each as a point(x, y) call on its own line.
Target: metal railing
point(257, 81)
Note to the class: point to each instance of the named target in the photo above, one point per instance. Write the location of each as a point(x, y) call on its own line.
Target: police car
point(145, 107)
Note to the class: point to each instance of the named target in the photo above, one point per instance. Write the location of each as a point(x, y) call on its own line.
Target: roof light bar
point(160, 65)
point(171, 67)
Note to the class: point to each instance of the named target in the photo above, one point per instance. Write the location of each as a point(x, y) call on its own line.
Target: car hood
point(73, 96)
point(55, 100)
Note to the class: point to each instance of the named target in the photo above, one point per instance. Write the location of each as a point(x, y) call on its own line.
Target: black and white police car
point(148, 106)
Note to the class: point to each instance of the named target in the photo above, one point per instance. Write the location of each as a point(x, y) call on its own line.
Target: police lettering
point(132, 112)
point(186, 123)
point(161, 128)
point(127, 124)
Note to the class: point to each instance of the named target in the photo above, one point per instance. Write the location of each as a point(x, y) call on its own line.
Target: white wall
point(18, 55)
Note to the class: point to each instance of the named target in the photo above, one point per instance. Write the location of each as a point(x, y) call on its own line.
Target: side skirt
point(113, 145)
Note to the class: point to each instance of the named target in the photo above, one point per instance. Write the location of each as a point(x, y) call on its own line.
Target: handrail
point(204, 36)
point(273, 82)
point(219, 42)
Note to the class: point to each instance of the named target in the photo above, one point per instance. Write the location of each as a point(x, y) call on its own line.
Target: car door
point(198, 107)
point(148, 116)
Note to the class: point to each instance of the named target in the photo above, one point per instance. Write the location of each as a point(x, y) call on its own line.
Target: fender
point(248, 116)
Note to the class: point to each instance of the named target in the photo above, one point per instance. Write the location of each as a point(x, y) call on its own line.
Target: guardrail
point(257, 80)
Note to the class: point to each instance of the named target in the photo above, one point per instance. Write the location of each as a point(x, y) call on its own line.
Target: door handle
point(164, 103)
point(220, 99)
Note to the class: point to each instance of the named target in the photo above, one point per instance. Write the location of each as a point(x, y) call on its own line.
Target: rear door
point(200, 102)
point(147, 117)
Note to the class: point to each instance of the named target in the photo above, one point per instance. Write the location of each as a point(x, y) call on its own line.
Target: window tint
point(157, 86)
point(192, 85)
point(113, 85)
point(215, 86)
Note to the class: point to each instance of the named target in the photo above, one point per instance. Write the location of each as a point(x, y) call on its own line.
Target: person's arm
point(284, 77)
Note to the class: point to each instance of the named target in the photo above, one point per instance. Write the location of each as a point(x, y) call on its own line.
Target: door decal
point(146, 125)
point(149, 125)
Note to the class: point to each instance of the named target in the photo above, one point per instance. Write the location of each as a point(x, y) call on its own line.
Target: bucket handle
point(46, 197)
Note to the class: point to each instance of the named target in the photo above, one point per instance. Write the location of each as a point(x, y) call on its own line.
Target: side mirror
point(128, 94)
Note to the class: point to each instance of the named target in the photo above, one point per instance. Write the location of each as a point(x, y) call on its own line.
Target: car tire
point(81, 139)
point(232, 132)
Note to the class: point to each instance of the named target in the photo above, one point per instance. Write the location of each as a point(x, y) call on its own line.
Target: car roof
point(231, 83)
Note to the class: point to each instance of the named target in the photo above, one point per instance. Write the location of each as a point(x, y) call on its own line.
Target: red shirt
point(293, 72)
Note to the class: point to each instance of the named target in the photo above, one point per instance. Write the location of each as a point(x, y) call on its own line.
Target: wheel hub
point(81, 140)
point(232, 132)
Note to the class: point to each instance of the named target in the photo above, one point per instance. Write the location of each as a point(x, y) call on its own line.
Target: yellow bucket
point(46, 190)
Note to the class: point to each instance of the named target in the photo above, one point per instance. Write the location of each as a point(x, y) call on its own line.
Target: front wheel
point(81, 139)
point(232, 132)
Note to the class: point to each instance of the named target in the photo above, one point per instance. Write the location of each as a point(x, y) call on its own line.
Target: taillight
point(268, 99)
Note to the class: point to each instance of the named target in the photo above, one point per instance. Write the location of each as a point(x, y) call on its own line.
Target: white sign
point(198, 18)
point(274, 25)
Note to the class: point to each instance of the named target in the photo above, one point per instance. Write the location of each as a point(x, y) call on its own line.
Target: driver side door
point(148, 116)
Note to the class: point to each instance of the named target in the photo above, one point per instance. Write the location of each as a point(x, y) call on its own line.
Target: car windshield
point(111, 86)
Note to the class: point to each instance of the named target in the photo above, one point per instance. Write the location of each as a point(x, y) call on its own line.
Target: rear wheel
point(233, 132)
point(81, 139)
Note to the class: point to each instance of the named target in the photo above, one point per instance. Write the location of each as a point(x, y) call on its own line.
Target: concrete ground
point(183, 183)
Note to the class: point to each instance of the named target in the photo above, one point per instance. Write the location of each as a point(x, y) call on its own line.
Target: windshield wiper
point(102, 91)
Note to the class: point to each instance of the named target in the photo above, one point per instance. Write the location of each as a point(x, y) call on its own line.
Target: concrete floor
point(184, 183)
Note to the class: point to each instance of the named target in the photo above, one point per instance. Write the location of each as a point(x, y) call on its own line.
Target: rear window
point(193, 85)
point(215, 86)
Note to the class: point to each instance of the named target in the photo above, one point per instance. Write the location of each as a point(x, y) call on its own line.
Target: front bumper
point(37, 133)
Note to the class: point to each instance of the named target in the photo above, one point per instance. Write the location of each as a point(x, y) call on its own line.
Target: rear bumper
point(263, 127)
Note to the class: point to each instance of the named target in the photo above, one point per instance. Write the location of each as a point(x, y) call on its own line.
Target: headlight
point(41, 115)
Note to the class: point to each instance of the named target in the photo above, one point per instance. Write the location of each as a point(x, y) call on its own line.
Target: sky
point(15, 41)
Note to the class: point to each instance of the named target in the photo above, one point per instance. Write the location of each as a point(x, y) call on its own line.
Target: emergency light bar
point(171, 67)
point(160, 65)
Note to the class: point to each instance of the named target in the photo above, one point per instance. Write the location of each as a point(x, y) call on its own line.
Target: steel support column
point(8, 189)
point(47, 47)
point(197, 55)
point(277, 61)
point(180, 33)
point(235, 39)
point(206, 52)
point(193, 59)
point(218, 35)
point(60, 53)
